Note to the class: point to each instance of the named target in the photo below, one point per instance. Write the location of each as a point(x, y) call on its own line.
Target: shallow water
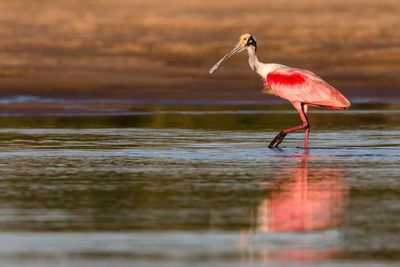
point(168, 187)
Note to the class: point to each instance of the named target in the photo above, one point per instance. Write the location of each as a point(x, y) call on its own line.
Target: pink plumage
point(305, 87)
point(290, 78)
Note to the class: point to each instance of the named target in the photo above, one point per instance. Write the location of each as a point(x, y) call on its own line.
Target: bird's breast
point(267, 88)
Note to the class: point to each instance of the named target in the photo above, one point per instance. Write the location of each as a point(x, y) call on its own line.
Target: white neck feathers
point(261, 68)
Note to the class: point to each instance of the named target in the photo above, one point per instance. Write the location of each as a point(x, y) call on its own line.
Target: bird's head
point(245, 40)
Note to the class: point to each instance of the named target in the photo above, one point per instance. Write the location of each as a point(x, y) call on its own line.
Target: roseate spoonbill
point(301, 87)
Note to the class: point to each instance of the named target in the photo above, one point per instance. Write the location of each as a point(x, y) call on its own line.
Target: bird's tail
point(341, 102)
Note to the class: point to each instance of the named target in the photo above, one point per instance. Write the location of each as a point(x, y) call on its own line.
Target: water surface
point(168, 187)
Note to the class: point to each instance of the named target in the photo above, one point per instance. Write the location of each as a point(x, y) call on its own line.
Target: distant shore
point(29, 106)
point(135, 50)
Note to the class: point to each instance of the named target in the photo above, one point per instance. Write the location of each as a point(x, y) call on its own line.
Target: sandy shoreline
point(148, 50)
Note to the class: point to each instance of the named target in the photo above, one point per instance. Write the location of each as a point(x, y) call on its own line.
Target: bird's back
point(304, 86)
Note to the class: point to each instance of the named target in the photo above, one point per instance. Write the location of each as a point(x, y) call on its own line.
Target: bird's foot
point(278, 139)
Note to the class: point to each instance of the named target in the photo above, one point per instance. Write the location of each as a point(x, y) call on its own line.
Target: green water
point(169, 186)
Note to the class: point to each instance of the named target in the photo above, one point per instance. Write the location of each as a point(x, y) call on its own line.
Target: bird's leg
point(306, 123)
point(306, 134)
point(301, 108)
point(282, 134)
point(278, 139)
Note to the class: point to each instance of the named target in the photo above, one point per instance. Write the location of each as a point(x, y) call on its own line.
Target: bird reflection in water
point(303, 200)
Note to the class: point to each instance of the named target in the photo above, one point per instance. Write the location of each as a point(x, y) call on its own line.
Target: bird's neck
point(262, 69)
point(253, 60)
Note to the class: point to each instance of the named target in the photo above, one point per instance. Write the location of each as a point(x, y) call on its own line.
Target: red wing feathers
point(305, 87)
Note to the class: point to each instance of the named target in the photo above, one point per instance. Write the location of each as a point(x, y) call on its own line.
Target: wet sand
point(150, 50)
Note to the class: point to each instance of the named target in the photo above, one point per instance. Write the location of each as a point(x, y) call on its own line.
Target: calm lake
point(197, 186)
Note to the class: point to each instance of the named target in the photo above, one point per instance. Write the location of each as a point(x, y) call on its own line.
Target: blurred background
point(149, 52)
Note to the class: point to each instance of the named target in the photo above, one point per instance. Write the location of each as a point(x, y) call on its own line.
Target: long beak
point(235, 50)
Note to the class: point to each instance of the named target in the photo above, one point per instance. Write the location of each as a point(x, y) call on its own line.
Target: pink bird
point(302, 88)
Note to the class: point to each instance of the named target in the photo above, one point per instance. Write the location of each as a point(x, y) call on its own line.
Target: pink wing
point(305, 87)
